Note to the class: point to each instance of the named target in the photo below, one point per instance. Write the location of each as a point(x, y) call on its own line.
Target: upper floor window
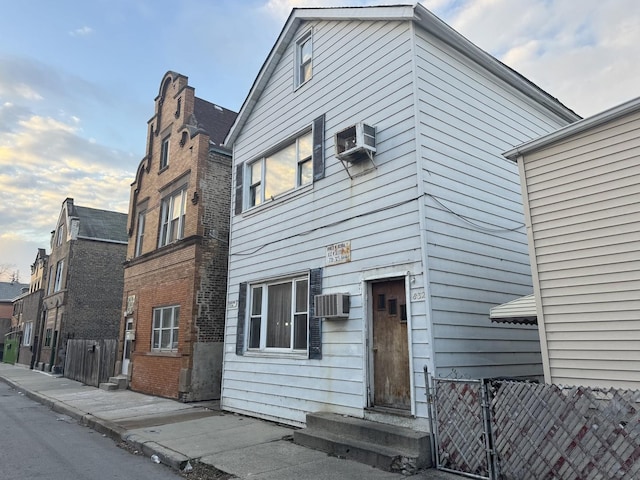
point(173, 213)
point(140, 233)
point(283, 170)
point(60, 235)
point(304, 57)
point(165, 328)
point(279, 313)
point(164, 153)
point(50, 287)
point(59, 269)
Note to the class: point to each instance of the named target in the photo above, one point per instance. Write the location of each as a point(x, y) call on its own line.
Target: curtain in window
point(279, 315)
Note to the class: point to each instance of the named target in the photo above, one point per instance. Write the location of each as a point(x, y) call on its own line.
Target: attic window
point(183, 139)
point(304, 57)
point(177, 114)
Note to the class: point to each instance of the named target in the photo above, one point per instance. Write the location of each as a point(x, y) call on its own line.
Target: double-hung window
point(283, 170)
point(140, 233)
point(279, 313)
point(27, 334)
point(304, 57)
point(59, 269)
point(173, 213)
point(165, 328)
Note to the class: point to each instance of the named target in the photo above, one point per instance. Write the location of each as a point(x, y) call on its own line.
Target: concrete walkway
point(178, 432)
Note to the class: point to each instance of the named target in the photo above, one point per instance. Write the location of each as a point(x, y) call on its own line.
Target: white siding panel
point(585, 226)
point(477, 245)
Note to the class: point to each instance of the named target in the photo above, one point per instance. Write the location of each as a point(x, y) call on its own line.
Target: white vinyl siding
point(583, 199)
point(476, 241)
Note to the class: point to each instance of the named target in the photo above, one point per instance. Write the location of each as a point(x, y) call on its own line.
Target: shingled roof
point(101, 224)
point(11, 290)
point(213, 119)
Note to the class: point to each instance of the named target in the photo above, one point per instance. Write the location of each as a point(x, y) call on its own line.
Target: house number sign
point(338, 253)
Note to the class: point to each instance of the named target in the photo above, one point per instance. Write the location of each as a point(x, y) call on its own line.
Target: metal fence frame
point(533, 430)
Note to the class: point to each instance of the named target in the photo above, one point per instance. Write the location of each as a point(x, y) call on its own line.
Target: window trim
point(174, 329)
point(300, 64)
point(262, 349)
point(261, 184)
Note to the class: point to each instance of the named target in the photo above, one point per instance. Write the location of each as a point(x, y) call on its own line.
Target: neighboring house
point(27, 310)
point(9, 335)
point(176, 270)
point(368, 170)
point(580, 187)
point(83, 288)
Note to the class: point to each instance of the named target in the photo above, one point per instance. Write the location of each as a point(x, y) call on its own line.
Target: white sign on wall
point(338, 253)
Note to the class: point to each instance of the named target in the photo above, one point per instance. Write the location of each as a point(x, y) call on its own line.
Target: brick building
point(176, 269)
point(83, 289)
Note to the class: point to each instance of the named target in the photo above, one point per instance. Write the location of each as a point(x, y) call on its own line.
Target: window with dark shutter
point(239, 175)
point(240, 328)
point(315, 325)
point(318, 148)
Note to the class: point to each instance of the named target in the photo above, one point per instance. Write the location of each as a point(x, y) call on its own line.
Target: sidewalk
point(178, 432)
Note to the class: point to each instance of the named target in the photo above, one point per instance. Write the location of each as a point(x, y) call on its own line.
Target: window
point(173, 216)
point(164, 153)
point(50, 289)
point(60, 235)
point(140, 233)
point(27, 333)
point(165, 328)
point(283, 170)
point(47, 337)
point(304, 56)
point(59, 268)
point(279, 313)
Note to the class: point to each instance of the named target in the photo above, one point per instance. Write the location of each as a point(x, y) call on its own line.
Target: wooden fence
point(90, 361)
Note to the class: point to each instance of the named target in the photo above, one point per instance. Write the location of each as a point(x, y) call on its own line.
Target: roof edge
point(596, 120)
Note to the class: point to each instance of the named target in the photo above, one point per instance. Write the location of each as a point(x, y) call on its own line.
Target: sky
point(78, 81)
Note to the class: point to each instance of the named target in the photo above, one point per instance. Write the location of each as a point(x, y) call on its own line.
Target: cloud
point(81, 32)
point(574, 51)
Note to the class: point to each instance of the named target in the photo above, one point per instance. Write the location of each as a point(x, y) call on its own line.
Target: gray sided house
point(375, 221)
point(580, 187)
point(83, 288)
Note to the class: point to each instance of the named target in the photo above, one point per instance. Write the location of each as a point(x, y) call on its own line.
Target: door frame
point(368, 363)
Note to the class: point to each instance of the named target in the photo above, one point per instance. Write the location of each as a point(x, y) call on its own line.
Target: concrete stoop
point(387, 447)
point(115, 383)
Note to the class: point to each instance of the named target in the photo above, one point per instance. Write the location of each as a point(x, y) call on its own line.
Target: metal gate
point(461, 426)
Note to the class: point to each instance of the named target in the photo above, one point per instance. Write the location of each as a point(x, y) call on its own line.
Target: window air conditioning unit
point(356, 143)
point(333, 305)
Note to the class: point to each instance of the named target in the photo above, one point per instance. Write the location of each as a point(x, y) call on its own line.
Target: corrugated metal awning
point(521, 310)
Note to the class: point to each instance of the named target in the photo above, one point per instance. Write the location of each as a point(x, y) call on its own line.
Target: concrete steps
point(115, 383)
point(387, 447)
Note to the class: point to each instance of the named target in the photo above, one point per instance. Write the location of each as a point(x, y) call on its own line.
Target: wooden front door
point(390, 345)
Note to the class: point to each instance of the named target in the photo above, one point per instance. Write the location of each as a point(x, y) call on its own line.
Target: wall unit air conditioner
point(355, 143)
point(332, 305)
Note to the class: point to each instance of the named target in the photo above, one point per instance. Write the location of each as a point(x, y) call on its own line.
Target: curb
point(167, 456)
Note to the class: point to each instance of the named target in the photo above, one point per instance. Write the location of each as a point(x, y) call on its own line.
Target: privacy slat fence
point(90, 361)
point(498, 429)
